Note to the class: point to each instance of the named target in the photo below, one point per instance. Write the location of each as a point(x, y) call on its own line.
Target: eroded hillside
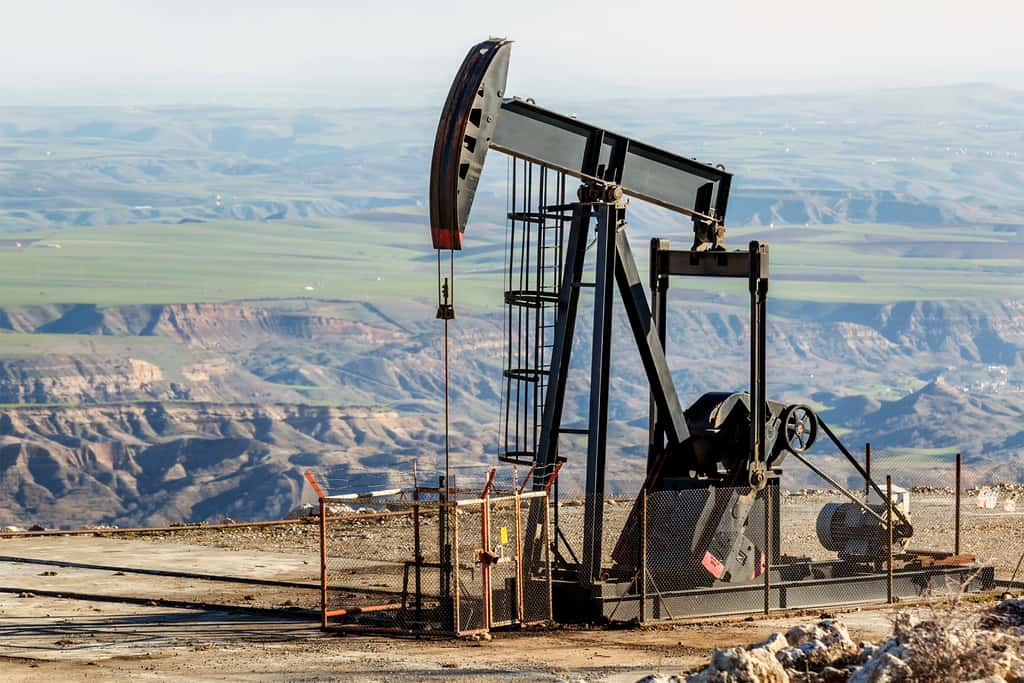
point(168, 413)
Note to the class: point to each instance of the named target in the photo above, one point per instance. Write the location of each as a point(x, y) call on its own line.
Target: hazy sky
point(321, 51)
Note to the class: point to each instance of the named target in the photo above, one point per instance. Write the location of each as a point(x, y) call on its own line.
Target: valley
point(199, 303)
point(222, 415)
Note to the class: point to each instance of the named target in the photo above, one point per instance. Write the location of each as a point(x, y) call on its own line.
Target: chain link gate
point(418, 563)
point(503, 566)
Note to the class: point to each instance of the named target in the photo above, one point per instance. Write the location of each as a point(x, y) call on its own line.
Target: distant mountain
point(940, 415)
point(925, 156)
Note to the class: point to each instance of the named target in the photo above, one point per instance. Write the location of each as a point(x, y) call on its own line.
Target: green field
point(161, 263)
point(383, 262)
point(871, 197)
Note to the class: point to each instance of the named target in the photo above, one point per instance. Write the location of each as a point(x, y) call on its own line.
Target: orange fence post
point(485, 552)
point(323, 563)
point(323, 546)
point(520, 598)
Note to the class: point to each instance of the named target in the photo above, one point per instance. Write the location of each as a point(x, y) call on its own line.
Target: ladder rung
point(559, 207)
point(573, 430)
point(537, 217)
point(517, 457)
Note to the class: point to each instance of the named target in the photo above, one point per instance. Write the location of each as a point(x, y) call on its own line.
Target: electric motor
point(853, 533)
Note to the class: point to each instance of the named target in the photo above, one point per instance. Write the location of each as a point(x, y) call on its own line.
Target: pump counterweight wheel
point(801, 428)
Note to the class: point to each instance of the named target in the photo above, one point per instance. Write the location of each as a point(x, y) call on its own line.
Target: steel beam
point(705, 263)
point(620, 602)
point(690, 187)
point(600, 361)
point(652, 354)
point(659, 319)
point(758, 287)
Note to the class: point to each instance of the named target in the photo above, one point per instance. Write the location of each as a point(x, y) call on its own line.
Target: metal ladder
point(536, 254)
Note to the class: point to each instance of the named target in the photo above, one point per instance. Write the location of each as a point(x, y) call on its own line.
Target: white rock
point(790, 656)
point(303, 511)
point(884, 668)
point(817, 645)
point(1015, 672)
point(735, 665)
point(1011, 610)
point(775, 643)
point(312, 510)
point(828, 631)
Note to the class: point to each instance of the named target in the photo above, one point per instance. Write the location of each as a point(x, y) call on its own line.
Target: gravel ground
point(47, 638)
point(362, 547)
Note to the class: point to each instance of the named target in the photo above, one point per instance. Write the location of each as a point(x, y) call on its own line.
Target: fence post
point(443, 541)
point(323, 562)
point(453, 554)
point(485, 564)
point(888, 578)
point(417, 554)
point(642, 583)
point(520, 598)
point(547, 551)
point(766, 557)
point(956, 514)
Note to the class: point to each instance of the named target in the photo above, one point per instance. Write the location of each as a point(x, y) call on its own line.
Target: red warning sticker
point(713, 565)
point(759, 568)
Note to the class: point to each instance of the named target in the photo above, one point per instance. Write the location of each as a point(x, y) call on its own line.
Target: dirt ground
point(118, 624)
point(993, 536)
point(115, 622)
point(85, 608)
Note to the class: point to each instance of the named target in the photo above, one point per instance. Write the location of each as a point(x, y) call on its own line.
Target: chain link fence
point(434, 561)
point(487, 556)
point(802, 542)
point(382, 567)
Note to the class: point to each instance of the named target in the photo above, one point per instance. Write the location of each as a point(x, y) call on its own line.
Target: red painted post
point(323, 563)
point(485, 552)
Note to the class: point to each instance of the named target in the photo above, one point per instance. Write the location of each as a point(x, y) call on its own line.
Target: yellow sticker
point(504, 535)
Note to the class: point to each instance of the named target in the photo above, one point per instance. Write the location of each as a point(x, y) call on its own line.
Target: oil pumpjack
point(726, 449)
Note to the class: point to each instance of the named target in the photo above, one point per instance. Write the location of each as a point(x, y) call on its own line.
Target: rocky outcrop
point(150, 464)
point(65, 379)
point(987, 332)
point(246, 369)
point(977, 331)
point(200, 324)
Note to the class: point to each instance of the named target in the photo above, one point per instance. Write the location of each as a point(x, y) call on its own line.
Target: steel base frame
point(617, 601)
